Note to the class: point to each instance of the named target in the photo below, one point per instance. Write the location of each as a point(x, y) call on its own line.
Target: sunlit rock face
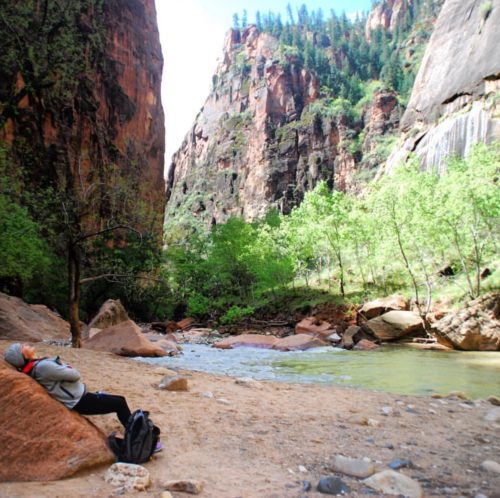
point(254, 145)
point(455, 99)
point(386, 15)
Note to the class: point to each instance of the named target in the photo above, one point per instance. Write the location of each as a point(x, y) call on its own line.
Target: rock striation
point(41, 439)
point(474, 328)
point(454, 103)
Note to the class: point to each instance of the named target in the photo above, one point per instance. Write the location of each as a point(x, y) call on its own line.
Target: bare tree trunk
point(74, 294)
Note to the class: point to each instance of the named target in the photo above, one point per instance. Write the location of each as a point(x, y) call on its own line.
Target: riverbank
point(261, 439)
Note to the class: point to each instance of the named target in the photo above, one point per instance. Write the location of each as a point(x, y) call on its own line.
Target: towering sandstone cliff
point(456, 97)
point(258, 141)
point(80, 103)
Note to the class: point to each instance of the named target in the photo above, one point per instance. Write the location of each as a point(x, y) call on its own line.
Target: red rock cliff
point(80, 102)
point(257, 142)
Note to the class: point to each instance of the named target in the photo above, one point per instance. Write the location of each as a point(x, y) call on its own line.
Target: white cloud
point(191, 42)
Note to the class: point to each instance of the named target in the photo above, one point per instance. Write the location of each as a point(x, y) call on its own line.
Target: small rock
point(458, 394)
point(493, 415)
point(352, 467)
point(177, 383)
point(480, 496)
point(190, 486)
point(223, 401)
point(372, 422)
point(333, 337)
point(386, 410)
point(431, 411)
point(306, 486)
point(207, 394)
point(166, 494)
point(491, 466)
point(370, 440)
point(332, 486)
point(494, 400)
point(389, 446)
point(398, 463)
point(394, 483)
point(410, 409)
point(302, 468)
point(128, 476)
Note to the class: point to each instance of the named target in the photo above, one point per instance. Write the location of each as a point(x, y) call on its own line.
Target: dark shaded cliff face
point(262, 139)
point(80, 100)
point(455, 101)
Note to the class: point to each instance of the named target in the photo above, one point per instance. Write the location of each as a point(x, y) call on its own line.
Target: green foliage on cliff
point(399, 235)
point(336, 48)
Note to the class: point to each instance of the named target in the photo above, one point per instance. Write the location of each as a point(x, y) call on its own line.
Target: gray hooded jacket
point(61, 381)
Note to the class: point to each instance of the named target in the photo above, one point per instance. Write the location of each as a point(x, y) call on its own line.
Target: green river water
point(395, 369)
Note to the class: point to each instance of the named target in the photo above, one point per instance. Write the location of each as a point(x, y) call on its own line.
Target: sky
point(192, 36)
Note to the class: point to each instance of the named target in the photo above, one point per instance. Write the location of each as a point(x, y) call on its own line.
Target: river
point(394, 369)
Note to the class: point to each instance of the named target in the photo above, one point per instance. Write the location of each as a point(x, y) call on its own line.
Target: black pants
point(100, 403)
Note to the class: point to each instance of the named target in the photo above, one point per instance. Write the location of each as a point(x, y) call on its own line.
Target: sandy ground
point(250, 441)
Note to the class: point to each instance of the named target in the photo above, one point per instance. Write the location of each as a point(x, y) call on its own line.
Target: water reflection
point(398, 370)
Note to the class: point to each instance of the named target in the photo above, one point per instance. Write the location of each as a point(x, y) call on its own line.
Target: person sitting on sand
point(63, 383)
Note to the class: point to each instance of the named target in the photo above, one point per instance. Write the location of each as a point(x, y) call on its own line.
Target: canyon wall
point(80, 104)
point(259, 143)
point(455, 101)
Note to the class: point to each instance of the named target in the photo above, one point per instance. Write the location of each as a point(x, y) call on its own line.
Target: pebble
point(177, 383)
point(493, 415)
point(480, 496)
point(411, 409)
point(128, 476)
point(491, 466)
point(394, 483)
point(166, 494)
point(190, 486)
point(431, 411)
point(223, 401)
point(389, 446)
point(352, 467)
point(398, 463)
point(370, 440)
point(372, 422)
point(386, 410)
point(332, 485)
point(494, 400)
point(302, 468)
point(306, 486)
point(207, 394)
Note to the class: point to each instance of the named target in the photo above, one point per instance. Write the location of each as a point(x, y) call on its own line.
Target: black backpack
point(139, 442)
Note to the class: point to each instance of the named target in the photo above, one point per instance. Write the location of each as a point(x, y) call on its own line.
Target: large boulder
point(299, 342)
point(110, 313)
point(247, 340)
point(125, 339)
point(20, 321)
point(474, 328)
point(41, 439)
point(383, 305)
point(396, 325)
point(315, 327)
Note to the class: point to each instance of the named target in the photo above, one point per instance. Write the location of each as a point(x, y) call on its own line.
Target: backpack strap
point(29, 367)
